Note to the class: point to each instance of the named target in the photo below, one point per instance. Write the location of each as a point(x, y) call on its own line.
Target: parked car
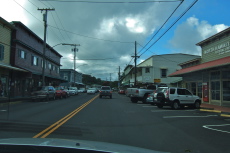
point(105, 91)
point(91, 90)
point(60, 92)
point(150, 98)
point(121, 91)
point(44, 93)
point(73, 91)
point(67, 91)
point(176, 98)
point(82, 90)
point(141, 94)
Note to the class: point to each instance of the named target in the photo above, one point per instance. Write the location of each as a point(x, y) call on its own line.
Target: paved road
point(117, 120)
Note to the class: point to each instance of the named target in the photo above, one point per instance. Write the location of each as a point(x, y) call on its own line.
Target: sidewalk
point(222, 109)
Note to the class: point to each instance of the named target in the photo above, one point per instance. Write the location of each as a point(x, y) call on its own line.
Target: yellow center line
point(63, 120)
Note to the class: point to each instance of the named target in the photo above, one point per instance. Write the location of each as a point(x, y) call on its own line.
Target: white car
point(91, 91)
point(73, 90)
point(82, 90)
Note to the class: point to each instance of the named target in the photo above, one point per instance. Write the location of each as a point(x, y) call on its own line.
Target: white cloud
point(192, 31)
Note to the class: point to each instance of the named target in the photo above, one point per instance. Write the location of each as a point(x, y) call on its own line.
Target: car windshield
point(153, 74)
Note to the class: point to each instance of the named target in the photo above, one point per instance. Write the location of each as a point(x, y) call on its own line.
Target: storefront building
point(6, 69)
point(209, 77)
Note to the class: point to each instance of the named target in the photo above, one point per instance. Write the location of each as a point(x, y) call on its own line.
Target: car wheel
point(175, 105)
point(197, 104)
point(159, 105)
point(134, 100)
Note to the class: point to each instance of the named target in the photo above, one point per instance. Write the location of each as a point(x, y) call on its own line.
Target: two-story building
point(6, 69)
point(211, 78)
point(27, 54)
point(68, 75)
point(156, 69)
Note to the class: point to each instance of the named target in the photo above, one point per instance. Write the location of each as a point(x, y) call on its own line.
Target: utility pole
point(135, 66)
point(119, 76)
point(44, 42)
point(74, 63)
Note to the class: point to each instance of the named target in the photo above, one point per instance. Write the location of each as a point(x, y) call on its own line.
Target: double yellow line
point(60, 122)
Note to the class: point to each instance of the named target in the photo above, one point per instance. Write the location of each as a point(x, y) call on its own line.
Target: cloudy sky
point(106, 32)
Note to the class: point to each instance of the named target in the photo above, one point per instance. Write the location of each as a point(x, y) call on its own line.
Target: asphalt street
point(117, 120)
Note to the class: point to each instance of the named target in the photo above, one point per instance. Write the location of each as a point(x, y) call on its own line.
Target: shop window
point(215, 75)
point(193, 88)
point(1, 52)
point(226, 90)
point(199, 87)
point(215, 90)
point(163, 73)
point(22, 54)
point(226, 74)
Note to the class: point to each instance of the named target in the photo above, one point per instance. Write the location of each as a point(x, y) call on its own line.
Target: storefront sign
point(219, 49)
point(157, 80)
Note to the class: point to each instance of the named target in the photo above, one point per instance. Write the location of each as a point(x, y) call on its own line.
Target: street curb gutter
point(221, 113)
point(10, 103)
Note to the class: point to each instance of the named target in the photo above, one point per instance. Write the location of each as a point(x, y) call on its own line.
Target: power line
point(171, 26)
point(114, 41)
point(60, 21)
point(161, 26)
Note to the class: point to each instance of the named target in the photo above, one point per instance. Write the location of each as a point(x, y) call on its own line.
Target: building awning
point(11, 67)
point(203, 66)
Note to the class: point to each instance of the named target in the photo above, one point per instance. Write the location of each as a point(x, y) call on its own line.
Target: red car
point(60, 92)
point(121, 91)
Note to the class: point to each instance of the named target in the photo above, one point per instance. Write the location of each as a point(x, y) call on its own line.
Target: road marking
point(60, 122)
point(187, 116)
point(155, 111)
point(3, 110)
point(209, 127)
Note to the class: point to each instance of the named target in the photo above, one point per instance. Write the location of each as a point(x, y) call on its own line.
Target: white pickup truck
point(141, 94)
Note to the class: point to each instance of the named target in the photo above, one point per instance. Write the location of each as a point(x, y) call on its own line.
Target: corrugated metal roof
point(207, 65)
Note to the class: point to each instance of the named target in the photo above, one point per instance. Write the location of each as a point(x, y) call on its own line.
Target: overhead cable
point(162, 26)
point(171, 26)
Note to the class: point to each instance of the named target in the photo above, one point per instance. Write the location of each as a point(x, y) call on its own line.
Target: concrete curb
point(221, 113)
point(10, 103)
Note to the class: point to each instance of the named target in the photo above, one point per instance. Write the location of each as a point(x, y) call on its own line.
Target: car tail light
point(167, 94)
point(110, 91)
point(137, 91)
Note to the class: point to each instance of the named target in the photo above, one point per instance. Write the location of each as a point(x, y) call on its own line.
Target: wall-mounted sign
point(157, 80)
point(219, 49)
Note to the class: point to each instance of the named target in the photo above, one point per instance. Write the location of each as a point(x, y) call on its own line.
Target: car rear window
point(105, 88)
